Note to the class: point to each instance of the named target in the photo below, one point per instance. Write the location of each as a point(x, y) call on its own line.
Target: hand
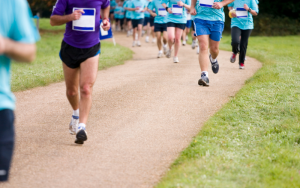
point(180, 3)
point(136, 8)
point(217, 5)
point(170, 11)
point(2, 45)
point(233, 13)
point(154, 14)
point(77, 14)
point(106, 25)
point(246, 7)
point(193, 11)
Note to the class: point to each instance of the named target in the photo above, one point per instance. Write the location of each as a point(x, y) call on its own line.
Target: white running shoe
point(73, 125)
point(175, 60)
point(193, 44)
point(186, 38)
point(169, 53)
point(198, 50)
point(133, 44)
point(147, 39)
point(197, 42)
point(128, 33)
point(183, 42)
point(165, 49)
point(138, 43)
point(81, 135)
point(159, 54)
point(153, 40)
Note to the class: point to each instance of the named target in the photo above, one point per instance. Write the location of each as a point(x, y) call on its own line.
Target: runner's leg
point(235, 39)
point(165, 37)
point(171, 36)
point(178, 34)
point(203, 52)
point(139, 30)
point(214, 48)
point(158, 39)
point(244, 44)
point(72, 84)
point(88, 75)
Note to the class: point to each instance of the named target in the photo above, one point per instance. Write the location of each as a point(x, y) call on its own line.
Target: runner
point(209, 25)
point(147, 27)
point(138, 7)
point(79, 53)
point(176, 22)
point(128, 16)
point(17, 37)
point(194, 38)
point(119, 16)
point(160, 25)
point(152, 27)
point(241, 28)
point(186, 31)
point(113, 5)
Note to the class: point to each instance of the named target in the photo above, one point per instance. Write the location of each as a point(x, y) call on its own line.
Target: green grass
point(45, 25)
point(254, 140)
point(47, 68)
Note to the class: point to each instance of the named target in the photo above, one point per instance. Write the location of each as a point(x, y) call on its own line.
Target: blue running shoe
point(203, 81)
point(214, 65)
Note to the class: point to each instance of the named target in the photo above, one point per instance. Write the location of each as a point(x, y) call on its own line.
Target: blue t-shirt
point(176, 18)
point(142, 4)
point(245, 22)
point(119, 12)
point(159, 9)
point(113, 5)
point(128, 13)
point(209, 14)
point(146, 13)
point(16, 24)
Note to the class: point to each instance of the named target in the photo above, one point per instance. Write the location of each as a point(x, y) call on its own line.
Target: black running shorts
point(177, 25)
point(136, 22)
point(160, 27)
point(73, 57)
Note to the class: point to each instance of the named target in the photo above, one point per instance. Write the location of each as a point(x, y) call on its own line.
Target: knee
point(214, 49)
point(72, 92)
point(86, 89)
point(177, 40)
point(203, 47)
point(170, 37)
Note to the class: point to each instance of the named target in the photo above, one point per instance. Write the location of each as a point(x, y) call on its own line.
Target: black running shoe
point(81, 135)
point(203, 81)
point(214, 66)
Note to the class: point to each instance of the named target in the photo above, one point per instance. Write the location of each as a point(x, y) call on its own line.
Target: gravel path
point(144, 114)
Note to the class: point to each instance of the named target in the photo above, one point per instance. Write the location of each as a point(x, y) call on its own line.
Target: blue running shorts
point(212, 28)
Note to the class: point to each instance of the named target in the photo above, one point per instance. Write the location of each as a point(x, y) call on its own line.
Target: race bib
point(188, 17)
point(162, 12)
point(139, 10)
point(87, 21)
point(206, 3)
point(177, 10)
point(241, 13)
point(103, 33)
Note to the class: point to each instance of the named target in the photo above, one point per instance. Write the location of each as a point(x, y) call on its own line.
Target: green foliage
point(253, 141)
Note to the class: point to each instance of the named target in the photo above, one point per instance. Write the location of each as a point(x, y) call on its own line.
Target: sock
point(213, 60)
point(76, 112)
point(81, 125)
point(160, 51)
point(166, 45)
point(205, 73)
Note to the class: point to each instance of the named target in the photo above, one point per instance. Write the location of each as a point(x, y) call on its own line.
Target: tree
point(44, 7)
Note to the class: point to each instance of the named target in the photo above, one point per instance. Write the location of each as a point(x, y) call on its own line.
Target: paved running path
point(144, 114)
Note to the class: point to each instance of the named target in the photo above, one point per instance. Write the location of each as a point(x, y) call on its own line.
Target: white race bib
point(87, 21)
point(241, 13)
point(177, 10)
point(103, 33)
point(139, 10)
point(162, 12)
point(206, 3)
point(188, 17)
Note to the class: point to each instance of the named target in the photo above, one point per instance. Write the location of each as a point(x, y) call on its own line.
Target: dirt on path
point(144, 114)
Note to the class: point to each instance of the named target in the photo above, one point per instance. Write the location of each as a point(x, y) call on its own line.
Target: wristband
point(249, 10)
point(167, 9)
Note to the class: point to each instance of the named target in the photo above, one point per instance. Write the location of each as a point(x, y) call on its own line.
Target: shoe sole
point(202, 83)
point(81, 136)
point(232, 60)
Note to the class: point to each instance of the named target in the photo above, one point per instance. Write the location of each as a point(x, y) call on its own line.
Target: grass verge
point(47, 68)
point(254, 140)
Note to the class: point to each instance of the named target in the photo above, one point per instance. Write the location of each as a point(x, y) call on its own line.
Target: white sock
point(213, 60)
point(76, 112)
point(205, 72)
point(160, 51)
point(81, 125)
point(166, 45)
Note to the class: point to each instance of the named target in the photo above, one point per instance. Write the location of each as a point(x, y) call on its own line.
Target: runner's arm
point(180, 3)
point(192, 8)
point(18, 51)
point(132, 9)
point(219, 5)
point(56, 20)
point(152, 13)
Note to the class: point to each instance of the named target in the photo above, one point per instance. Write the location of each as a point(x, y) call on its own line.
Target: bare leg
point(165, 37)
point(203, 53)
point(171, 36)
point(178, 34)
point(214, 48)
point(72, 84)
point(158, 38)
point(134, 32)
point(88, 75)
point(139, 30)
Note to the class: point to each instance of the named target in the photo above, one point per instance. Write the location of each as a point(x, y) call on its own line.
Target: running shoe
point(233, 58)
point(133, 44)
point(175, 60)
point(183, 43)
point(147, 39)
point(241, 66)
point(165, 50)
point(193, 44)
point(81, 135)
point(159, 54)
point(214, 65)
point(203, 81)
point(198, 50)
point(138, 43)
point(197, 42)
point(73, 125)
point(169, 53)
